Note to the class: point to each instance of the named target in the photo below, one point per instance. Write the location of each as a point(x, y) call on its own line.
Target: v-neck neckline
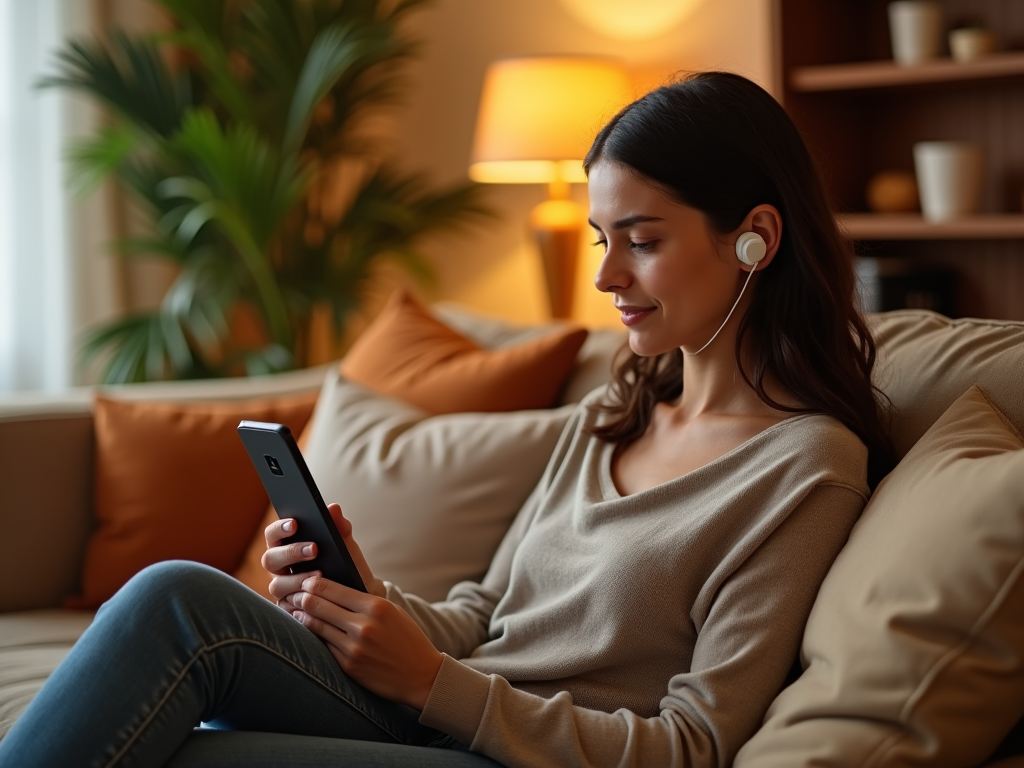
point(609, 492)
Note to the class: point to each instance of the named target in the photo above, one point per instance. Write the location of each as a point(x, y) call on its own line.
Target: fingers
point(351, 600)
point(278, 530)
point(343, 525)
point(277, 560)
point(283, 586)
point(334, 623)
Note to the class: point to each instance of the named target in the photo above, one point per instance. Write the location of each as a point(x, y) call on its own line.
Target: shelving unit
point(888, 74)
point(861, 113)
point(872, 226)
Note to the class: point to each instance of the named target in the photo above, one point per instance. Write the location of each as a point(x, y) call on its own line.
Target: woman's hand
point(375, 642)
point(279, 558)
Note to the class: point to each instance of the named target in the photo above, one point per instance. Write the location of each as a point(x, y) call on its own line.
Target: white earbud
point(750, 248)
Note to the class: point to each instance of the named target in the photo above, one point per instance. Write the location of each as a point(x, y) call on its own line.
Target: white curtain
point(54, 278)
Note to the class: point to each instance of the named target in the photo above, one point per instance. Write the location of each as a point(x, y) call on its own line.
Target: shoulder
point(822, 448)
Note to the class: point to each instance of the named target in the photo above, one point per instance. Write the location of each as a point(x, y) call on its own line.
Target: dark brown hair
point(719, 143)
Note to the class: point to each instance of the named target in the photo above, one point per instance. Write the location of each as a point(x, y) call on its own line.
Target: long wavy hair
point(719, 143)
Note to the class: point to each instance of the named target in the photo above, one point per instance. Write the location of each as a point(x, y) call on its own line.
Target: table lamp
point(537, 119)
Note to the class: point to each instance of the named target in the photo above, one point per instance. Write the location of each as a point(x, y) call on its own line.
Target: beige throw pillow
point(926, 361)
point(430, 497)
point(915, 644)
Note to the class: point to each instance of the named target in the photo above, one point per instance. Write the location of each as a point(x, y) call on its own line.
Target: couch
point(46, 447)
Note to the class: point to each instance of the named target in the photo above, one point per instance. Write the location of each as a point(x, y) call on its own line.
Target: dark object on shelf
point(893, 283)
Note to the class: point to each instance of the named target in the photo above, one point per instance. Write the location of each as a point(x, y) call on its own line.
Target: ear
point(766, 221)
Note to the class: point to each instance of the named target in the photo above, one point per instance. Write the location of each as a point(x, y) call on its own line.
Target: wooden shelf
point(870, 226)
point(888, 74)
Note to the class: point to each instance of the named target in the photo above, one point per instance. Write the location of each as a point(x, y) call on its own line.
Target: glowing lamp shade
point(537, 119)
point(538, 116)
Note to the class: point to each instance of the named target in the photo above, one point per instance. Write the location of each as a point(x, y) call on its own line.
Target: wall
point(494, 268)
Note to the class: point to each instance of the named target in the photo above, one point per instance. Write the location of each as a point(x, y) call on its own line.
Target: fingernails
point(308, 550)
point(288, 525)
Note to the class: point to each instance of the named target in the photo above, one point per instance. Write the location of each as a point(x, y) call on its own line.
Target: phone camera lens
point(275, 467)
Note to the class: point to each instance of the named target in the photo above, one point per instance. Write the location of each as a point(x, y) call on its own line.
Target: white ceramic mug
point(915, 27)
point(949, 178)
point(969, 43)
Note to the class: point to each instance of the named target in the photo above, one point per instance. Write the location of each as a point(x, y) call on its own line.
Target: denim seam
point(206, 649)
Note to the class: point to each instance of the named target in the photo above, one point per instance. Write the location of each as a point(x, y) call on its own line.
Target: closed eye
point(644, 246)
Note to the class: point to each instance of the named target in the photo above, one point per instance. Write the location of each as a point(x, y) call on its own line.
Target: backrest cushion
point(429, 497)
point(173, 481)
point(408, 354)
point(926, 361)
point(914, 650)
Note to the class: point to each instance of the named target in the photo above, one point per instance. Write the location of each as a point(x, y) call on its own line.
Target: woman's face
point(671, 278)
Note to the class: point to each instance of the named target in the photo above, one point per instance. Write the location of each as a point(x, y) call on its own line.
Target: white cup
point(969, 43)
point(915, 27)
point(949, 178)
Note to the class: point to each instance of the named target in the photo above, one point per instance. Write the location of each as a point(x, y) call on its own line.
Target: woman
point(648, 601)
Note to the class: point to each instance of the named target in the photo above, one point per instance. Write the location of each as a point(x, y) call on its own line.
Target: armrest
point(46, 457)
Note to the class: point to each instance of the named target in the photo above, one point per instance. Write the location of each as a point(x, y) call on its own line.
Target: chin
point(643, 345)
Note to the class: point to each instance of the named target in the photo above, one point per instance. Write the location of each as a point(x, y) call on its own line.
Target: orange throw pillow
point(410, 355)
point(173, 482)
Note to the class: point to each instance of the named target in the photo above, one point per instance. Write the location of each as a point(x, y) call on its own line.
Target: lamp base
point(556, 226)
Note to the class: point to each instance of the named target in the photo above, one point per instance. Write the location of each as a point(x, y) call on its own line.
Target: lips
point(634, 315)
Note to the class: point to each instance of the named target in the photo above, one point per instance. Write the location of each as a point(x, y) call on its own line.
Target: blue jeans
point(181, 644)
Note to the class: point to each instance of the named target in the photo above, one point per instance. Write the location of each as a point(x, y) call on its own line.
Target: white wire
point(750, 274)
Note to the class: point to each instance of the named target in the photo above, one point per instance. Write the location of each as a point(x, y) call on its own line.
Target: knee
point(172, 583)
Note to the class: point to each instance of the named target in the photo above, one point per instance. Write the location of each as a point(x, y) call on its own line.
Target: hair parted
point(719, 143)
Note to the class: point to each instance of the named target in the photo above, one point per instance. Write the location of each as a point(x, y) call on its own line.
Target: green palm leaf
point(129, 77)
point(220, 150)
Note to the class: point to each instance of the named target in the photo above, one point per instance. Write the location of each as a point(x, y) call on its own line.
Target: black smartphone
point(294, 494)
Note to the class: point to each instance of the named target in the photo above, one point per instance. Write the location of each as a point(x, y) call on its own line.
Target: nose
point(611, 275)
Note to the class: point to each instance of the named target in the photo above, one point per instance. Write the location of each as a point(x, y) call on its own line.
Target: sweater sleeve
point(741, 657)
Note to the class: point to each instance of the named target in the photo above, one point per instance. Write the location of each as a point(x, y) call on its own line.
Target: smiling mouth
point(633, 315)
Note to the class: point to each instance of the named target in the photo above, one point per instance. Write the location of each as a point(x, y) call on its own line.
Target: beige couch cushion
point(32, 644)
point(915, 644)
point(430, 498)
point(926, 361)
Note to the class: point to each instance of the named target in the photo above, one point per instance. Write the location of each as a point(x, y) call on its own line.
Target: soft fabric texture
point(430, 497)
point(32, 644)
point(652, 629)
point(927, 361)
point(173, 481)
point(408, 354)
point(915, 645)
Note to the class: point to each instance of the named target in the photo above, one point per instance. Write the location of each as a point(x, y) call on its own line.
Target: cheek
point(686, 282)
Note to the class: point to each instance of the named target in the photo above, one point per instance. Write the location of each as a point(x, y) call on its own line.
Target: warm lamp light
point(632, 19)
point(537, 119)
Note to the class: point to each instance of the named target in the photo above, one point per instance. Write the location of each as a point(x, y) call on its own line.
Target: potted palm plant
point(238, 131)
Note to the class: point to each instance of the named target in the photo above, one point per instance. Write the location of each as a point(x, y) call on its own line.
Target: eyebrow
point(628, 221)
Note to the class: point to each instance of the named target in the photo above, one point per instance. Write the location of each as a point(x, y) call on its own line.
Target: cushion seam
point(885, 748)
point(1002, 416)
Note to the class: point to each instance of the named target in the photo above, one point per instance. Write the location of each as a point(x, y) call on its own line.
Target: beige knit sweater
point(646, 630)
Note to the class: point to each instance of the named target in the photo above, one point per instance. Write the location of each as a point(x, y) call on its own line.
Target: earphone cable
point(735, 304)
